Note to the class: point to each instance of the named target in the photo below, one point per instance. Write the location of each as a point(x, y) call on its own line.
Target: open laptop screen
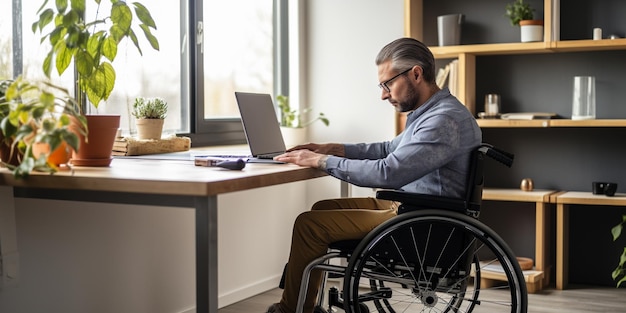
point(260, 124)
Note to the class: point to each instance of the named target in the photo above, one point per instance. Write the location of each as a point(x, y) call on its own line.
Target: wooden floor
point(576, 299)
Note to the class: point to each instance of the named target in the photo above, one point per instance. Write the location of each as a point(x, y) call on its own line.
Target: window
point(208, 49)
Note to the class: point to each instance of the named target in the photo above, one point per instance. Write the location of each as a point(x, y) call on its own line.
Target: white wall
point(77, 257)
point(342, 40)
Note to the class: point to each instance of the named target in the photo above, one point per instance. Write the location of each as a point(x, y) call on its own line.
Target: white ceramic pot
point(531, 30)
point(293, 136)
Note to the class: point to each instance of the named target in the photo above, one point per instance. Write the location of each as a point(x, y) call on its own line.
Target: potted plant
point(35, 122)
point(92, 46)
point(619, 274)
point(292, 125)
point(521, 14)
point(150, 114)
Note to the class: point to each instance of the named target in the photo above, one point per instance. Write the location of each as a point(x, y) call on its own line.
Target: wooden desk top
point(174, 177)
point(580, 197)
point(519, 195)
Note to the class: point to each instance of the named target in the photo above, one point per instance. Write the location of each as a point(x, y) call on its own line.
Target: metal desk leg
point(206, 254)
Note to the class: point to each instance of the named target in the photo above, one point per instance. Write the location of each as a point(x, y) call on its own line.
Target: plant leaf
point(45, 18)
point(133, 37)
point(153, 40)
point(56, 35)
point(61, 5)
point(616, 231)
point(122, 16)
point(79, 6)
point(71, 18)
point(84, 63)
point(63, 59)
point(109, 48)
point(144, 15)
point(47, 63)
point(100, 83)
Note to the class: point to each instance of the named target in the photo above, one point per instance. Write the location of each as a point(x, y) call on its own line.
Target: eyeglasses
point(384, 85)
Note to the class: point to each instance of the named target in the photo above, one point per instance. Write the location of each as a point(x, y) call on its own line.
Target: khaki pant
point(328, 221)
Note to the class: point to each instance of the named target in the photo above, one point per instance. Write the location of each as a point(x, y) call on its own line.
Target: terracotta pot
point(149, 128)
point(96, 149)
point(60, 155)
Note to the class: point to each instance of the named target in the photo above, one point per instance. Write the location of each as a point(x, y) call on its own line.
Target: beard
point(410, 101)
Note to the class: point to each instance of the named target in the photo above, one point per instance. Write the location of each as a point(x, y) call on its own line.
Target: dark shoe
point(275, 308)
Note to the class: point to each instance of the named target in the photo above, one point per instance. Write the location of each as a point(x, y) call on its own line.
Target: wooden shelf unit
point(563, 201)
point(466, 55)
point(540, 277)
point(499, 123)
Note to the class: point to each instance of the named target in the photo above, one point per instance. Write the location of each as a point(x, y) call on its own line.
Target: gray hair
point(405, 53)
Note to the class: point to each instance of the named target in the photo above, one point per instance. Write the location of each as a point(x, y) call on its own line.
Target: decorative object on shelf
point(449, 29)
point(527, 184)
point(492, 105)
point(292, 126)
point(149, 116)
point(603, 188)
point(619, 273)
point(36, 126)
point(597, 33)
point(521, 14)
point(584, 98)
point(92, 46)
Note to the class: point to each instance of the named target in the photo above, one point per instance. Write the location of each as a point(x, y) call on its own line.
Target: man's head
point(406, 71)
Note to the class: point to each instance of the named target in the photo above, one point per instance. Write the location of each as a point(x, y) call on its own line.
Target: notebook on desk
point(261, 127)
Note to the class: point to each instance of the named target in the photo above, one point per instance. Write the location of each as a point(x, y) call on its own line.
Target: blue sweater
point(430, 156)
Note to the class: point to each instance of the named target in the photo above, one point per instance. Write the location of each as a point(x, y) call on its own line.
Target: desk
point(541, 198)
point(161, 183)
point(563, 202)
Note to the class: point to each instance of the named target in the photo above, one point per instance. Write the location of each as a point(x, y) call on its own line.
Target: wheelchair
point(429, 258)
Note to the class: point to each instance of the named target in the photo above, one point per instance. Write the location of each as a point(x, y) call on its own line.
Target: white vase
point(531, 30)
point(293, 136)
point(149, 128)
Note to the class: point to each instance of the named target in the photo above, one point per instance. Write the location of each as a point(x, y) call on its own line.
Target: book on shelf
point(128, 146)
point(448, 76)
point(527, 116)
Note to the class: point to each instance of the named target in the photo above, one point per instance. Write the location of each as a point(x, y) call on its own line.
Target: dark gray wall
point(555, 158)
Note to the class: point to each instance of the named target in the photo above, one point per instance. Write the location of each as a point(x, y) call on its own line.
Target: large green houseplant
point(35, 124)
point(92, 46)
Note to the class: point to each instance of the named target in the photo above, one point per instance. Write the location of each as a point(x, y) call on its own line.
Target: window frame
point(227, 131)
point(203, 132)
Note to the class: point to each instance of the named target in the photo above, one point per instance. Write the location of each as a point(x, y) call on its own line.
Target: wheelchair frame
point(403, 272)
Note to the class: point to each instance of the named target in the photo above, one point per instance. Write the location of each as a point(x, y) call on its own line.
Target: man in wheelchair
point(429, 157)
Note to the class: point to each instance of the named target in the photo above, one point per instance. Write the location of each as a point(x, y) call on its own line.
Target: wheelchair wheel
point(432, 261)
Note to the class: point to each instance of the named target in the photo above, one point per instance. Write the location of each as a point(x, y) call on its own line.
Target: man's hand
point(302, 157)
point(329, 148)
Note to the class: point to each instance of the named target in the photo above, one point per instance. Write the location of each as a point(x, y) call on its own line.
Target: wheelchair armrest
point(422, 200)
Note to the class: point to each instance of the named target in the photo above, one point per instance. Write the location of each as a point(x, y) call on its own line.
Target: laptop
point(261, 127)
